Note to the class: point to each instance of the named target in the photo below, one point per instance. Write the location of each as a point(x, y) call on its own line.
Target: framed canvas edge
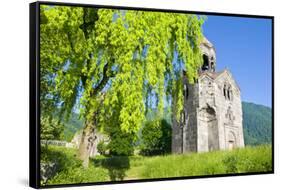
point(34, 93)
point(34, 109)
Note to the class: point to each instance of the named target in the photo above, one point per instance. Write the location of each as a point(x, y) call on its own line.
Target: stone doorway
point(212, 125)
point(231, 140)
point(230, 145)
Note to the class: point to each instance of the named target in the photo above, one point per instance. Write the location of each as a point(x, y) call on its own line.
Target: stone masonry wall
point(212, 117)
point(230, 112)
point(212, 120)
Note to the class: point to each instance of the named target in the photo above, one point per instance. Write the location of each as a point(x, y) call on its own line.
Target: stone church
point(212, 115)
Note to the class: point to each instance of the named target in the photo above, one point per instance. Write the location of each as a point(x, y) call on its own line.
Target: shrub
point(51, 128)
point(69, 168)
point(102, 147)
point(80, 175)
point(121, 144)
point(156, 138)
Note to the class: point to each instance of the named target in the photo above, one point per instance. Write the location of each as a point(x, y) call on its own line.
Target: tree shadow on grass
point(116, 166)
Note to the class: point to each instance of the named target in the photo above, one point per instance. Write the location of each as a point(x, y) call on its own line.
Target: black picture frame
point(34, 92)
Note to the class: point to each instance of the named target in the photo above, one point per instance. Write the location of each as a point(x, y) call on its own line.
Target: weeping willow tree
point(111, 64)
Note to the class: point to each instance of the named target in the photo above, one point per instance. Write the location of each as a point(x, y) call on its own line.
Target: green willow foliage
point(112, 62)
point(51, 129)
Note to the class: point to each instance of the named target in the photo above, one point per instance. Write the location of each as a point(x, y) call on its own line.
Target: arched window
point(212, 64)
point(224, 91)
point(228, 94)
point(205, 65)
point(185, 91)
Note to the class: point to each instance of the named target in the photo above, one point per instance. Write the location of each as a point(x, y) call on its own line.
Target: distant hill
point(257, 124)
point(72, 125)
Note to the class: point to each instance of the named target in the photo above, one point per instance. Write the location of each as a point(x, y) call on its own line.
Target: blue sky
point(243, 45)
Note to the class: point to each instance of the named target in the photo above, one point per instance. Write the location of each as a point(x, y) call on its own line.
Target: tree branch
point(107, 74)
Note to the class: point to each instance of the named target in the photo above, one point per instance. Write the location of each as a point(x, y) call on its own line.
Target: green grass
point(249, 159)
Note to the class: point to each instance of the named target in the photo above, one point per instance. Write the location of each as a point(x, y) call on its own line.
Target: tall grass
point(249, 159)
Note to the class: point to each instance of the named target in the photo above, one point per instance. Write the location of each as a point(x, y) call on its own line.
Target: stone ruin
point(97, 138)
point(212, 115)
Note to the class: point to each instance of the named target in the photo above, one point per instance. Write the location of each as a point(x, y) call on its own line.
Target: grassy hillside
point(257, 124)
point(249, 159)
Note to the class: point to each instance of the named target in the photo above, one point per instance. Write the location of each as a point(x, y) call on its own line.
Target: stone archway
point(208, 138)
point(212, 124)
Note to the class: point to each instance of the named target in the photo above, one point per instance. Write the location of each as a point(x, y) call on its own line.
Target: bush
point(51, 128)
point(80, 175)
point(69, 169)
point(102, 148)
point(121, 144)
point(156, 138)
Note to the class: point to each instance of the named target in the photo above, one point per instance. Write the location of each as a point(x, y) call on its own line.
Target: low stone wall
point(58, 143)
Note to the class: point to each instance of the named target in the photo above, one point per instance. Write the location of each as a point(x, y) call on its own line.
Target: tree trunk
point(86, 143)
